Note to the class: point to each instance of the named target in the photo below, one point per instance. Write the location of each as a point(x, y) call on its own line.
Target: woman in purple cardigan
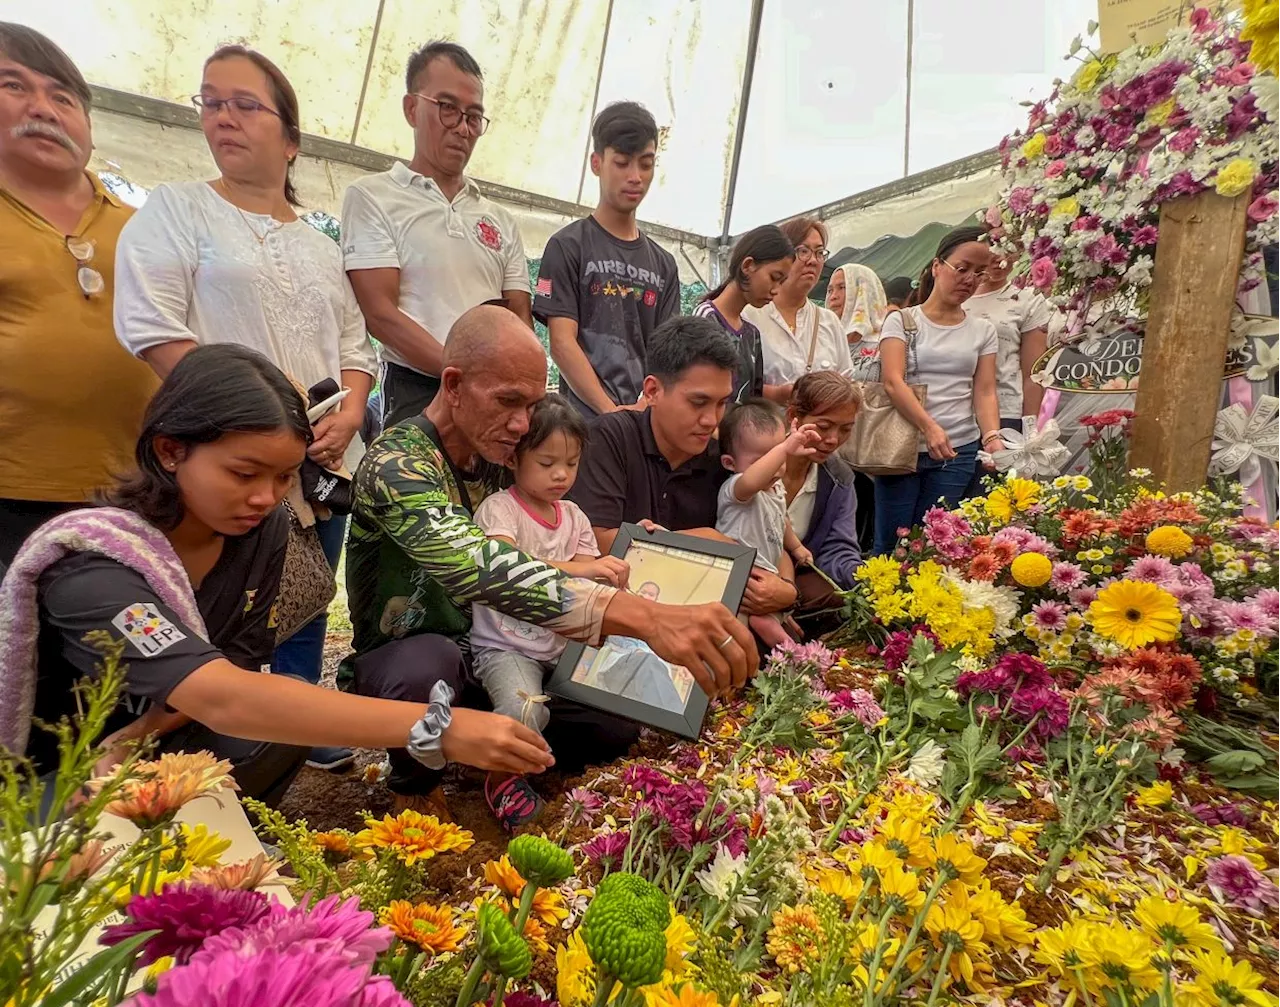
point(820, 492)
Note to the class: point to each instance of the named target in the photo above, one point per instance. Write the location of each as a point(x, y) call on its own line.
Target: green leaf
point(931, 708)
point(1263, 784)
point(102, 964)
point(1235, 762)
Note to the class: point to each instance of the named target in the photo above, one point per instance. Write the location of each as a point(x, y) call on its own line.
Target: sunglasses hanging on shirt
point(90, 279)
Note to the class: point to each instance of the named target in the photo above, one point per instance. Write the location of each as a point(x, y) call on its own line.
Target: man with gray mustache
point(71, 398)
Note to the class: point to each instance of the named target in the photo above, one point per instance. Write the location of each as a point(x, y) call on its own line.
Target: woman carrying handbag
point(953, 360)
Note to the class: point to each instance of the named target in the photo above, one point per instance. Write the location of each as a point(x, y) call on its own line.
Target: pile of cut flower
point(989, 809)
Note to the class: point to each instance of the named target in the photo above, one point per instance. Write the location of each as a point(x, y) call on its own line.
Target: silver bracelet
point(426, 737)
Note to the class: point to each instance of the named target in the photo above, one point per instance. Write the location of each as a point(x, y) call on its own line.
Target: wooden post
point(1184, 351)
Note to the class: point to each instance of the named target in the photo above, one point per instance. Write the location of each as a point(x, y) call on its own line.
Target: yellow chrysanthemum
point(882, 573)
point(842, 884)
point(1158, 115)
point(1155, 795)
point(875, 857)
point(687, 996)
point(794, 937)
point(1219, 980)
point(1235, 177)
point(1086, 78)
point(1135, 613)
point(1174, 923)
point(412, 836)
point(1060, 947)
point(1034, 147)
point(1031, 569)
point(1004, 924)
point(195, 846)
point(901, 888)
point(956, 858)
point(428, 927)
point(905, 837)
point(575, 972)
point(681, 940)
point(952, 927)
point(1169, 540)
point(1262, 28)
point(1115, 955)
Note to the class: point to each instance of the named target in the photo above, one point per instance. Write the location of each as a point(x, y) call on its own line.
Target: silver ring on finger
point(725, 642)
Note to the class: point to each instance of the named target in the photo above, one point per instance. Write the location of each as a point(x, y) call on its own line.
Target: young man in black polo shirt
point(604, 286)
point(662, 464)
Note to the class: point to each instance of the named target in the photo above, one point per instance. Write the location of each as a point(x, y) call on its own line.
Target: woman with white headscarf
point(855, 293)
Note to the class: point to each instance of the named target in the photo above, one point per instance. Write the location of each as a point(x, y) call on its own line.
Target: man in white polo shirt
point(421, 244)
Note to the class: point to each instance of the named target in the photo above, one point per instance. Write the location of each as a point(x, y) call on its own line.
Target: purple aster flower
point(292, 977)
point(1236, 882)
point(1065, 577)
point(586, 801)
point(1049, 705)
point(897, 648)
point(1245, 615)
point(607, 848)
point(340, 928)
point(186, 916)
point(802, 654)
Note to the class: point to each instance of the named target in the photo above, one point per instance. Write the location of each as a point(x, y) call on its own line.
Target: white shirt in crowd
point(1014, 313)
point(802, 504)
point(945, 359)
point(786, 353)
point(451, 256)
point(192, 266)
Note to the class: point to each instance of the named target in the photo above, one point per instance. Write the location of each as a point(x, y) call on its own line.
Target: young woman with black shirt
point(221, 443)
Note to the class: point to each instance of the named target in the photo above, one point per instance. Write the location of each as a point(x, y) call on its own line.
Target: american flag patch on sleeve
point(543, 288)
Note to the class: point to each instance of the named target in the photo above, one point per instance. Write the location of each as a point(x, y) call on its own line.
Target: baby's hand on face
point(803, 439)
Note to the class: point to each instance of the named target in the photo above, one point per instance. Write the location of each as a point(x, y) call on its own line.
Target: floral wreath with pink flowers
point(1085, 179)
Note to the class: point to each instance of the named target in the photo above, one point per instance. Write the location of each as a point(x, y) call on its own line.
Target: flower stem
point(604, 987)
point(467, 994)
point(937, 980)
point(527, 895)
point(499, 990)
point(907, 945)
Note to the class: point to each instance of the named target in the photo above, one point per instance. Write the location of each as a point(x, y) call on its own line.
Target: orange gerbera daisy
point(429, 927)
point(501, 874)
point(413, 836)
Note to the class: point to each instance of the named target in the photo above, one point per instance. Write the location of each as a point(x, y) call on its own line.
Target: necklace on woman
point(261, 239)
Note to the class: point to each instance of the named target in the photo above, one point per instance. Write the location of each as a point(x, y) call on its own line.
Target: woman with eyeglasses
point(798, 335)
point(229, 261)
point(934, 343)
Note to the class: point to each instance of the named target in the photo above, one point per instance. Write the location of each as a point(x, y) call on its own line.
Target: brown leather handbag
point(884, 442)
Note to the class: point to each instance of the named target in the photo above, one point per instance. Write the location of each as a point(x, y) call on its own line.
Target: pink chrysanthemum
point(1066, 577)
point(1234, 881)
point(1083, 597)
point(1050, 615)
point(1152, 569)
point(186, 916)
point(294, 977)
point(340, 928)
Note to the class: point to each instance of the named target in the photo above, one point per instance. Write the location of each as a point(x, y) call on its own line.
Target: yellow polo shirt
point(71, 397)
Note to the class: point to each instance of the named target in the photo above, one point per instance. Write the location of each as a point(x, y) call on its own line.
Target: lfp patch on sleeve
point(150, 632)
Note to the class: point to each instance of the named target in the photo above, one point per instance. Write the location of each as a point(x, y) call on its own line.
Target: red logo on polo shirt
point(650, 298)
point(489, 234)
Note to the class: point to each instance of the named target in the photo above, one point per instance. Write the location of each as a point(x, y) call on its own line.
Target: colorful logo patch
point(489, 234)
point(650, 298)
point(147, 629)
point(544, 286)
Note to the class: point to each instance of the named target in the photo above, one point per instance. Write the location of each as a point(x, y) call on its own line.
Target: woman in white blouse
point(228, 261)
point(799, 336)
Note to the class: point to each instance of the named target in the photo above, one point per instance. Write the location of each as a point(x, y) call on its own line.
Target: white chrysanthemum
point(1003, 601)
point(927, 764)
point(720, 879)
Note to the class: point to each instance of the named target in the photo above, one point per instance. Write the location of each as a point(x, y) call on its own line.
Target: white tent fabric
point(828, 113)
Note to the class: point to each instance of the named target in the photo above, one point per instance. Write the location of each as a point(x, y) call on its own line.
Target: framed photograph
point(623, 676)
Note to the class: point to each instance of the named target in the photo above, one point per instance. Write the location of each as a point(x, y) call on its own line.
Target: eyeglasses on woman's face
point(451, 114)
point(804, 253)
point(965, 270)
point(211, 106)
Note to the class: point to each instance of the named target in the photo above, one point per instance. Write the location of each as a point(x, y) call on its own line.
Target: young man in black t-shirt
point(604, 286)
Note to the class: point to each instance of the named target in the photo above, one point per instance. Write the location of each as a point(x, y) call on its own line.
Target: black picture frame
point(687, 723)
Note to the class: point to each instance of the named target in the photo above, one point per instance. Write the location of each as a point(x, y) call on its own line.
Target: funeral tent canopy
point(767, 107)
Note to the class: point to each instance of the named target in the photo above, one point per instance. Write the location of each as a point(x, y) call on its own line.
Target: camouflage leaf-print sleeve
point(404, 491)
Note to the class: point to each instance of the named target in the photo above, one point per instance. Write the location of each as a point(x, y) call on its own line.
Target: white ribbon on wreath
point(1242, 439)
point(1036, 454)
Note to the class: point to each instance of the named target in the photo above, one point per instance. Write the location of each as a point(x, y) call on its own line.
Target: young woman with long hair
point(181, 569)
point(759, 263)
point(933, 342)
